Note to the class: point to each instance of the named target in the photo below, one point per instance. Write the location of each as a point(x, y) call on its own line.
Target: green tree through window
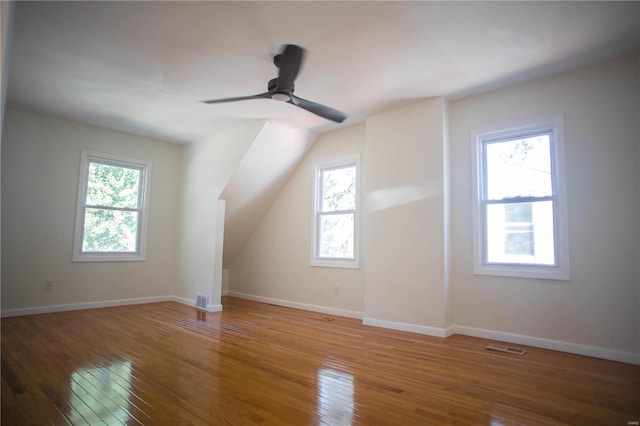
point(111, 208)
point(335, 225)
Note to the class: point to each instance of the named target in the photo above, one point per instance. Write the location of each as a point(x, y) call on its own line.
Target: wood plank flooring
point(258, 364)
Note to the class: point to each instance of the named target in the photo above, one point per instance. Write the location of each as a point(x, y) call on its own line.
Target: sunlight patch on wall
point(387, 198)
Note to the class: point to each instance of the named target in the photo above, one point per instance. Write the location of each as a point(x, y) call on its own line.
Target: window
point(111, 215)
point(335, 222)
point(520, 220)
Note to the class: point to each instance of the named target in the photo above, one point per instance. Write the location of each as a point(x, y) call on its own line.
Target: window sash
point(123, 165)
point(121, 209)
point(320, 207)
point(514, 261)
point(113, 252)
point(508, 138)
point(319, 234)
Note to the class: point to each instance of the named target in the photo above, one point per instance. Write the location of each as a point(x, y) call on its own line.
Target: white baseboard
point(554, 345)
point(83, 305)
point(184, 301)
point(214, 308)
point(401, 326)
point(6, 313)
point(538, 342)
point(298, 305)
point(191, 302)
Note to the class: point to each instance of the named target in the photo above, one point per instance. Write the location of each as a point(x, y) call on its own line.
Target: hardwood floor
point(258, 364)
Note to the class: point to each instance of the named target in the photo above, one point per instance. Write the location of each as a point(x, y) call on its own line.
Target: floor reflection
point(335, 397)
point(201, 315)
point(101, 394)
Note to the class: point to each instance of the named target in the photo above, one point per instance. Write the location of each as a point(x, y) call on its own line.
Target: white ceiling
point(144, 67)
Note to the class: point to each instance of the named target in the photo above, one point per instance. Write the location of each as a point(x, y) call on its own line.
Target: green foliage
point(519, 151)
point(106, 227)
point(336, 236)
point(112, 186)
point(339, 189)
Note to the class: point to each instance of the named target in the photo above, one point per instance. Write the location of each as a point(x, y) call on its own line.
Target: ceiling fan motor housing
point(273, 84)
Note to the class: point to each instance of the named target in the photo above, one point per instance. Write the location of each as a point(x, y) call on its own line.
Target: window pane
point(110, 231)
point(112, 186)
point(520, 233)
point(519, 167)
point(336, 236)
point(338, 189)
point(518, 228)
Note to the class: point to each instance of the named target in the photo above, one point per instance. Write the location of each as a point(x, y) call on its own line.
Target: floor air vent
point(507, 349)
point(202, 301)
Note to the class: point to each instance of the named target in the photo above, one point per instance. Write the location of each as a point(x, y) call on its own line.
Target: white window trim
point(560, 271)
point(140, 255)
point(332, 262)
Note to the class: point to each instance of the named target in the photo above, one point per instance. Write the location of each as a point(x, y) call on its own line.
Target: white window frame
point(316, 260)
point(561, 269)
point(88, 157)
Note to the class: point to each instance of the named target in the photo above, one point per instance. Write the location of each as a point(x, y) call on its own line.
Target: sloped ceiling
point(144, 67)
point(259, 178)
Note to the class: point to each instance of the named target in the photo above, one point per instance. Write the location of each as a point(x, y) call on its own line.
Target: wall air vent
point(201, 302)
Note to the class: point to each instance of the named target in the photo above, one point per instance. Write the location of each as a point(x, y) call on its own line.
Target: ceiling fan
point(281, 88)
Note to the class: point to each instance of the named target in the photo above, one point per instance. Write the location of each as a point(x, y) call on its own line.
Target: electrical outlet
point(48, 285)
point(336, 290)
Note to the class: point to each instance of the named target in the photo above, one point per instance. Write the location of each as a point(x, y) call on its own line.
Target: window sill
point(108, 258)
point(523, 271)
point(336, 263)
